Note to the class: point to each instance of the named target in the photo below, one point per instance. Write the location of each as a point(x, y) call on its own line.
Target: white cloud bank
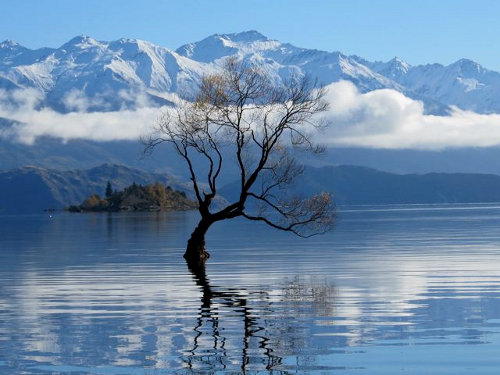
point(388, 119)
point(32, 123)
point(378, 119)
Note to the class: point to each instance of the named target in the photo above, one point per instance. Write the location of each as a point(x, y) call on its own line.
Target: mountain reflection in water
point(413, 289)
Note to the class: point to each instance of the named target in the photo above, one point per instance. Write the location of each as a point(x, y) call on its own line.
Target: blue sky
point(418, 31)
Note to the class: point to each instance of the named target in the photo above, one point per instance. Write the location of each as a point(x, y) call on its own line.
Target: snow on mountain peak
point(217, 46)
point(81, 42)
point(9, 44)
point(130, 48)
point(400, 64)
point(395, 69)
point(208, 49)
point(467, 67)
point(245, 37)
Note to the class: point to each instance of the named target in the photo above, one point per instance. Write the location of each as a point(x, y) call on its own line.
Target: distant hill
point(34, 189)
point(77, 154)
point(359, 185)
point(81, 154)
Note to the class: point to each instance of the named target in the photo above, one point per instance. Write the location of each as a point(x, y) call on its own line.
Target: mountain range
point(34, 189)
point(85, 74)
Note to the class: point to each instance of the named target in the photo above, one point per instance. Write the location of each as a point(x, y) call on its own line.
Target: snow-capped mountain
point(89, 75)
point(86, 74)
point(394, 69)
point(283, 59)
point(464, 83)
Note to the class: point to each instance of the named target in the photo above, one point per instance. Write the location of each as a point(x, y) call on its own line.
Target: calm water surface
point(395, 290)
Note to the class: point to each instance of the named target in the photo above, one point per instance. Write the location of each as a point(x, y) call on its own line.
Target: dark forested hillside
point(34, 189)
point(359, 185)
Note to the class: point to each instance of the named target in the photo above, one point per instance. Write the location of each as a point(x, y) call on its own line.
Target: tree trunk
point(195, 254)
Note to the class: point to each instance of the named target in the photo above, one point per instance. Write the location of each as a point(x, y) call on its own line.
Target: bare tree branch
point(241, 110)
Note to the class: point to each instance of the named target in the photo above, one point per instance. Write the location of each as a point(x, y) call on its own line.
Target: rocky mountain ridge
point(85, 74)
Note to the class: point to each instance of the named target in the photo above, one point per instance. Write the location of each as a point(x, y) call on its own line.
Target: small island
point(149, 198)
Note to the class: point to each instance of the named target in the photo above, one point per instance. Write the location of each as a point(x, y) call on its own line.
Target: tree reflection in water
point(264, 334)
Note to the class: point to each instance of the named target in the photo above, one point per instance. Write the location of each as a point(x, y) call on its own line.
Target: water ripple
point(110, 294)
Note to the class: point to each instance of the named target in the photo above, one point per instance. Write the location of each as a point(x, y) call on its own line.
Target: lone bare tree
point(240, 110)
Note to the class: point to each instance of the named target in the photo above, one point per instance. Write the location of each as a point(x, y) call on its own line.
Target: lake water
point(394, 290)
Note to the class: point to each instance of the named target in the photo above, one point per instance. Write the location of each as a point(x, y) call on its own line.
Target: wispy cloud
point(125, 124)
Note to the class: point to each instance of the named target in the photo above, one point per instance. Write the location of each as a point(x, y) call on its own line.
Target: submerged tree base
point(197, 259)
point(195, 254)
